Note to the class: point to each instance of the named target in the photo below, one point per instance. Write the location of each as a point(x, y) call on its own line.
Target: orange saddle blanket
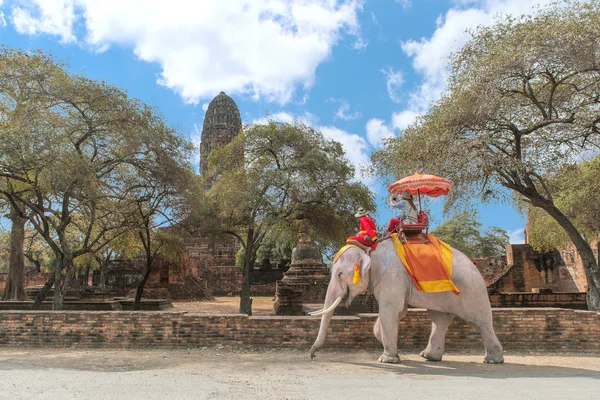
point(429, 265)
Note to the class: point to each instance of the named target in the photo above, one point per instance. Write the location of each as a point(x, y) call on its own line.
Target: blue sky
point(356, 70)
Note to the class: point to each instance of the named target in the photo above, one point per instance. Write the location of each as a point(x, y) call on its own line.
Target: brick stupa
point(305, 282)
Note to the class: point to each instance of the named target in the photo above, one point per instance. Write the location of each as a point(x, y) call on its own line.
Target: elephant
point(384, 274)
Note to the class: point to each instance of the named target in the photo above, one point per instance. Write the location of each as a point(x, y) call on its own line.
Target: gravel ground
point(225, 373)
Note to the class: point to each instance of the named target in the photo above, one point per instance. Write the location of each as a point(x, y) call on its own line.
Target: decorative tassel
point(356, 279)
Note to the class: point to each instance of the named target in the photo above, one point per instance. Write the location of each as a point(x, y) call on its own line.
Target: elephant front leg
point(388, 328)
point(439, 326)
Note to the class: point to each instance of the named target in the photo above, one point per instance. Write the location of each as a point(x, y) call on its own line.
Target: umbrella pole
point(419, 194)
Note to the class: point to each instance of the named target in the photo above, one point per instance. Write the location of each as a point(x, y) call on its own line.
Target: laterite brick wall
point(541, 329)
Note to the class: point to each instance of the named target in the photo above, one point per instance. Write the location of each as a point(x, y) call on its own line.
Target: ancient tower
point(221, 123)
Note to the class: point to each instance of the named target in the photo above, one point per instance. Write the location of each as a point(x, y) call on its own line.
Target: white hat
point(361, 212)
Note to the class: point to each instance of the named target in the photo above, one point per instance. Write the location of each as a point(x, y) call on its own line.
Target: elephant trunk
point(331, 302)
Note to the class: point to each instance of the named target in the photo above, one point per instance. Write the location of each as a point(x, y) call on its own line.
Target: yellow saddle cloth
point(429, 265)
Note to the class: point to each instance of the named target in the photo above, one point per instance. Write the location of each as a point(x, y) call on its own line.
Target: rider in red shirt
point(368, 231)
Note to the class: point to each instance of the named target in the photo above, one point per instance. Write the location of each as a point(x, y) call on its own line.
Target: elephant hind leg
point(439, 326)
point(494, 354)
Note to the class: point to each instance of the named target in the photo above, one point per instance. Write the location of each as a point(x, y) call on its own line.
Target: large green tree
point(73, 145)
point(463, 232)
point(575, 190)
point(280, 176)
point(522, 101)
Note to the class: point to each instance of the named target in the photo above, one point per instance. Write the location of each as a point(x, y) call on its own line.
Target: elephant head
point(349, 276)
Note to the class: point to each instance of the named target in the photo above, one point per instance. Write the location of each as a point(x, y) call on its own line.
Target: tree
point(280, 177)
point(522, 101)
point(36, 250)
point(575, 191)
point(15, 284)
point(163, 198)
point(73, 144)
point(463, 232)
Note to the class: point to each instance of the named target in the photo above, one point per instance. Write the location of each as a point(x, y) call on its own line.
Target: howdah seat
point(414, 231)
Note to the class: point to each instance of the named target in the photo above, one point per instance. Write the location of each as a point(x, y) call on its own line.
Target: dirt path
point(225, 305)
point(220, 373)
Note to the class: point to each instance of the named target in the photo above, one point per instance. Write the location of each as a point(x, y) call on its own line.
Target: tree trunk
point(86, 283)
point(15, 284)
point(60, 290)
point(43, 293)
point(590, 265)
point(245, 300)
point(140, 288)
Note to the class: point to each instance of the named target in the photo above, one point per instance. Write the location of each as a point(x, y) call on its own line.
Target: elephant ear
point(361, 267)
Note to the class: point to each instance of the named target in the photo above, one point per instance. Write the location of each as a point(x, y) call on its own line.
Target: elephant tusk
point(328, 310)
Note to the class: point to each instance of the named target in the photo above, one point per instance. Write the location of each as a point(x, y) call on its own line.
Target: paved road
point(243, 374)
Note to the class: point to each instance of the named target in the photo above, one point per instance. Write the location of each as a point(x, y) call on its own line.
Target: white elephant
point(394, 291)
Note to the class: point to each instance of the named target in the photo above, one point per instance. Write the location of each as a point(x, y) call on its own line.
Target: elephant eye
point(339, 274)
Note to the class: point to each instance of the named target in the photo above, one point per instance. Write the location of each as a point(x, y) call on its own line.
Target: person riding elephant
point(368, 231)
point(408, 210)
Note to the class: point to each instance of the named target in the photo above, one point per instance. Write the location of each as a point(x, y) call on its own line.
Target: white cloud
point(304, 100)
point(205, 107)
point(2, 20)
point(394, 81)
point(360, 43)
point(404, 3)
point(284, 116)
point(377, 131)
point(430, 55)
point(355, 147)
point(374, 19)
point(195, 138)
point(403, 119)
point(517, 236)
point(344, 112)
point(54, 17)
point(260, 48)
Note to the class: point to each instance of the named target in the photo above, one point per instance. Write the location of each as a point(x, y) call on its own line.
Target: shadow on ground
point(530, 366)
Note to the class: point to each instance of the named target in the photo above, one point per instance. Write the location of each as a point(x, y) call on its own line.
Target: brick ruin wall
point(527, 270)
point(517, 329)
point(490, 267)
point(31, 279)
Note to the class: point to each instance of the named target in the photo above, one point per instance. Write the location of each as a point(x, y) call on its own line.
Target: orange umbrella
point(429, 185)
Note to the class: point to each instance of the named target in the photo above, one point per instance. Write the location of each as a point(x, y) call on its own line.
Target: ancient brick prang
point(222, 123)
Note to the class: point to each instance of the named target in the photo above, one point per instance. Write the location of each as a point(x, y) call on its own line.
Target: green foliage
point(522, 100)
point(88, 162)
point(280, 176)
point(575, 191)
point(281, 179)
point(463, 232)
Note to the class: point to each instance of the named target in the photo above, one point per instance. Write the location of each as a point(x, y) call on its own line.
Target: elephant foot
point(389, 358)
point(497, 359)
point(430, 356)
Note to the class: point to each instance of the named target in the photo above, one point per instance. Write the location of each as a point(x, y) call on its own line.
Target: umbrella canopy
point(429, 185)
